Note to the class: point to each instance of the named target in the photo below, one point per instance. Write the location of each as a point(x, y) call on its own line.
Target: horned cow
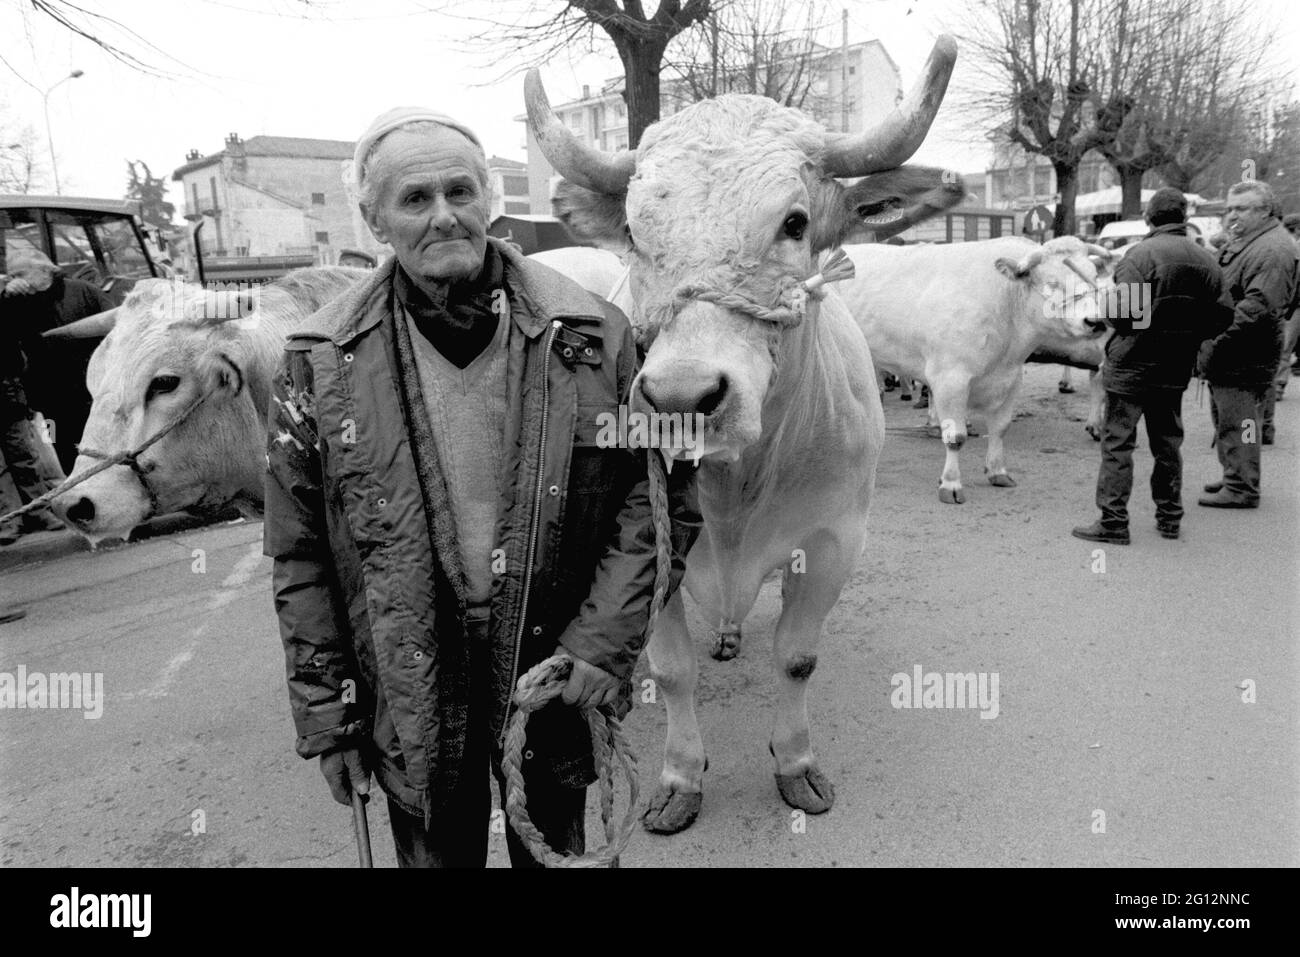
point(720, 213)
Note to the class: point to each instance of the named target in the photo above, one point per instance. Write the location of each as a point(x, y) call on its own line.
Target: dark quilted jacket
point(375, 653)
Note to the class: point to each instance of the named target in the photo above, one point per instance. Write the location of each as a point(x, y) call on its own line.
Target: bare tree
point(21, 170)
point(1189, 68)
point(1042, 85)
point(765, 47)
point(541, 29)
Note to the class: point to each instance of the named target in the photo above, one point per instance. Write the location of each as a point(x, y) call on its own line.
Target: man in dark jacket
point(442, 516)
point(1171, 288)
point(1259, 276)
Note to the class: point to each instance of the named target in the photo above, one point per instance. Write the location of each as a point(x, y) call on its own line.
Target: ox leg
point(995, 465)
point(1096, 405)
point(949, 397)
point(1064, 385)
point(807, 598)
point(675, 671)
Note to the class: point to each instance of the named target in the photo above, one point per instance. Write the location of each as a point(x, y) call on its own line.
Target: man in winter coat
point(1149, 361)
point(1259, 276)
point(442, 517)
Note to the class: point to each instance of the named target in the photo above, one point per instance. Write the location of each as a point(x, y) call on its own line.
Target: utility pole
point(844, 70)
point(49, 132)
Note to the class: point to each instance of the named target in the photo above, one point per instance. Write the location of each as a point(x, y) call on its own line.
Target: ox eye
point(162, 384)
point(795, 225)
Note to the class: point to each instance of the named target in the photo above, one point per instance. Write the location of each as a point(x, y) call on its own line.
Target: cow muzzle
point(687, 388)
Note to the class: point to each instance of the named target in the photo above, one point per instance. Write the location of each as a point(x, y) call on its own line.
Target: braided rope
point(838, 266)
point(547, 679)
point(117, 458)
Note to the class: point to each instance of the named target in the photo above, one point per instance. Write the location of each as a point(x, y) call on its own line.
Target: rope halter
point(793, 301)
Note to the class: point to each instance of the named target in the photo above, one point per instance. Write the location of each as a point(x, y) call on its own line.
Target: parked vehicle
point(101, 241)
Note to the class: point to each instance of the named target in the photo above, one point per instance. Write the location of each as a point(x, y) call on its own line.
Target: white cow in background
point(965, 318)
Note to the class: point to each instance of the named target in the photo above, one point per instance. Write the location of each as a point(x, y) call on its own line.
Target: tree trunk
point(641, 61)
point(1067, 186)
point(1130, 186)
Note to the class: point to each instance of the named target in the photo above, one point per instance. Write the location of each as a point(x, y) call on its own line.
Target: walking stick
point(361, 829)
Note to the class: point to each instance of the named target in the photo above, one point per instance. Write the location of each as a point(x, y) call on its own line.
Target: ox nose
point(701, 391)
point(1095, 325)
point(81, 512)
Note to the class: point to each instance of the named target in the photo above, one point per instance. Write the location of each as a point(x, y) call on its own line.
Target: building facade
point(509, 179)
point(599, 117)
point(273, 196)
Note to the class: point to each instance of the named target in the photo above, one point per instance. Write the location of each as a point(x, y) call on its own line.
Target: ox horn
point(577, 162)
point(96, 326)
point(890, 143)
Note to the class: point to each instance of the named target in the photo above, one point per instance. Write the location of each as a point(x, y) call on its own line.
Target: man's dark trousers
point(1162, 410)
point(1238, 427)
point(459, 833)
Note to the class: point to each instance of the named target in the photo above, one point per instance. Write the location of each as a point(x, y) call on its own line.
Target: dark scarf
point(460, 323)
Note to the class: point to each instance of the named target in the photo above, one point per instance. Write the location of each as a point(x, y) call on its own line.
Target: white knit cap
point(400, 116)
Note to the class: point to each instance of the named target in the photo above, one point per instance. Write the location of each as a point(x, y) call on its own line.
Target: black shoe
point(1097, 532)
point(1224, 499)
point(1167, 529)
point(1213, 487)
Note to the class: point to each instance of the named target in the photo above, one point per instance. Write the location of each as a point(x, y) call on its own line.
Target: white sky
point(257, 68)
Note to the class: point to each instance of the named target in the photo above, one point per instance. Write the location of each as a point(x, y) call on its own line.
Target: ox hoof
point(1064, 388)
point(809, 791)
point(905, 397)
point(1093, 431)
point(1002, 480)
point(671, 811)
point(952, 496)
point(724, 645)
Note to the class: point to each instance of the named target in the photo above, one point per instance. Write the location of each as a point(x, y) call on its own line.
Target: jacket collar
point(552, 296)
point(1177, 229)
point(1237, 246)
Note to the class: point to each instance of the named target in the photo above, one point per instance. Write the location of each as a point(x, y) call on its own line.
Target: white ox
point(720, 213)
point(169, 344)
point(964, 318)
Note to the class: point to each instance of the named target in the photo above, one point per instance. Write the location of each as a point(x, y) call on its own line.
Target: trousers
point(1162, 410)
point(458, 836)
point(1238, 417)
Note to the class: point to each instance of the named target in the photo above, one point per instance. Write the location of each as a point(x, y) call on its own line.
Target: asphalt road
point(1120, 691)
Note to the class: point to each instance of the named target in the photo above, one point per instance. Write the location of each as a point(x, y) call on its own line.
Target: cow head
point(720, 213)
point(1069, 278)
point(176, 351)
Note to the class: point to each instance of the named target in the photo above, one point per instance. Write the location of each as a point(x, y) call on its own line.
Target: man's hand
point(588, 686)
point(19, 287)
point(344, 773)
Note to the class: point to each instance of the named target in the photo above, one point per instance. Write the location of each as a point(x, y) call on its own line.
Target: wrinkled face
point(734, 219)
point(1244, 213)
point(432, 205)
point(165, 352)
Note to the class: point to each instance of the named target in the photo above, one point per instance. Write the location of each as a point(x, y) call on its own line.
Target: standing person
point(441, 516)
point(1290, 330)
point(38, 298)
point(1149, 362)
point(1259, 276)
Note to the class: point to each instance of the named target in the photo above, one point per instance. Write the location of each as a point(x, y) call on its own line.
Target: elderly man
point(1290, 333)
point(441, 516)
point(1259, 276)
point(1148, 364)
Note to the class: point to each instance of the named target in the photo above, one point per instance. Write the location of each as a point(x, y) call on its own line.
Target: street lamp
point(49, 134)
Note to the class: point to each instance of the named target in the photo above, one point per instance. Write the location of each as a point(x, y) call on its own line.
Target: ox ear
point(1018, 270)
point(597, 219)
point(225, 376)
point(884, 204)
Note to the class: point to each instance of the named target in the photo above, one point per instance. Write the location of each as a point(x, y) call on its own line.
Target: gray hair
point(368, 185)
point(1261, 190)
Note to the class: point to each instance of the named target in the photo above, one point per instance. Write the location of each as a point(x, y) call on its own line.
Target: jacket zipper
point(536, 522)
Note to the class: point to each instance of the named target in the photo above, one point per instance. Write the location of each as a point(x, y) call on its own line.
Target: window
point(995, 227)
point(1042, 180)
point(970, 228)
point(318, 199)
point(241, 250)
point(514, 185)
point(575, 120)
point(94, 246)
point(212, 183)
point(516, 206)
point(323, 238)
point(195, 208)
point(852, 70)
point(20, 233)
